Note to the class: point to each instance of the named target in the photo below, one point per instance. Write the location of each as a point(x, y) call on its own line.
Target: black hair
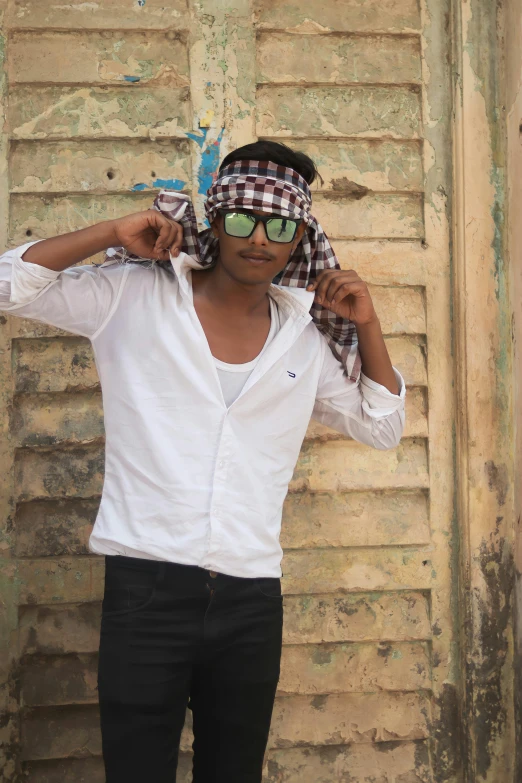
point(278, 153)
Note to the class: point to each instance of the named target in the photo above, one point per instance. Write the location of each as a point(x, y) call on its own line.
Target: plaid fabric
point(263, 185)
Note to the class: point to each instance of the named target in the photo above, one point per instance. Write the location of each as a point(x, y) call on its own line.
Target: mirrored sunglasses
point(243, 224)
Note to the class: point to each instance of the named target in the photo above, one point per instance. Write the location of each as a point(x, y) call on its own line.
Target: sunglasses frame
point(258, 219)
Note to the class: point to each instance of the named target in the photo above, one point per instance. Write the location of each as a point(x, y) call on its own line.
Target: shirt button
point(213, 574)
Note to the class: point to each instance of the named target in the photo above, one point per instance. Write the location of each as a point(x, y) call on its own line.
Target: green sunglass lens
point(280, 230)
point(238, 224)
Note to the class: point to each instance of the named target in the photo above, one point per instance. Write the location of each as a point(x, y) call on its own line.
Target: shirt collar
point(296, 300)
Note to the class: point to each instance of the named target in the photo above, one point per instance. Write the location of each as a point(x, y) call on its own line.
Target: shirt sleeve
point(79, 300)
point(363, 410)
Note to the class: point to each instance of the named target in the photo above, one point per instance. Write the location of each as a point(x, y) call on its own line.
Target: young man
point(210, 374)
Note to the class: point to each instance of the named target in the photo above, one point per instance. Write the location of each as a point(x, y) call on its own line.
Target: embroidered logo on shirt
point(291, 374)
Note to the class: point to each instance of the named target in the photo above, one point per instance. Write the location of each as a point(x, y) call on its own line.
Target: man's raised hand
point(149, 234)
point(345, 294)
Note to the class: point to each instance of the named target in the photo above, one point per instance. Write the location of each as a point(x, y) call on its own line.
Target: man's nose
point(259, 235)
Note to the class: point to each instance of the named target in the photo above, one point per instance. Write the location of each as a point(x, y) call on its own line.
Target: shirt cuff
point(378, 401)
point(27, 279)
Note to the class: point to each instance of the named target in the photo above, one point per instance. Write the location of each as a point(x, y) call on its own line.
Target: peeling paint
point(206, 121)
point(498, 480)
point(168, 184)
point(199, 138)
point(446, 736)
point(497, 568)
point(351, 189)
point(209, 163)
point(173, 184)
point(67, 112)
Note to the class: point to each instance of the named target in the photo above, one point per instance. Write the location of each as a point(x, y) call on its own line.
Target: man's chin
point(249, 273)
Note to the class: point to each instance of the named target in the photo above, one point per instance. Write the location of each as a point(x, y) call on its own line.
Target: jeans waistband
point(165, 567)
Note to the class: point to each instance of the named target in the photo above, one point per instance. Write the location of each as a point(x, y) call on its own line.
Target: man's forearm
point(63, 251)
point(376, 363)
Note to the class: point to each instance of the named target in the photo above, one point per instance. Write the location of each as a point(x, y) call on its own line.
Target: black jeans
point(175, 634)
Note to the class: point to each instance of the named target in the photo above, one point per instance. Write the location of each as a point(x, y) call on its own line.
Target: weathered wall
point(9, 602)
point(513, 91)
point(483, 342)
point(106, 103)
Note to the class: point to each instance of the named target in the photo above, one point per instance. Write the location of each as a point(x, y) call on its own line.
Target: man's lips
point(255, 259)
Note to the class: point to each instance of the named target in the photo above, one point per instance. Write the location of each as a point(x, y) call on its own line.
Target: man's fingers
point(324, 282)
point(173, 241)
point(164, 231)
point(315, 283)
point(330, 280)
point(348, 286)
point(169, 237)
point(333, 287)
point(177, 239)
point(343, 290)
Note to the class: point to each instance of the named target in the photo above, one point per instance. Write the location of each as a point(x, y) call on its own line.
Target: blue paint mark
point(141, 3)
point(175, 184)
point(132, 78)
point(209, 164)
point(200, 140)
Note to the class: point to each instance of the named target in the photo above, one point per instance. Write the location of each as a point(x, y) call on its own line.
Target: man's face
point(254, 260)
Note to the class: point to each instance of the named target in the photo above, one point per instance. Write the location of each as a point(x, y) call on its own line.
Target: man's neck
point(226, 293)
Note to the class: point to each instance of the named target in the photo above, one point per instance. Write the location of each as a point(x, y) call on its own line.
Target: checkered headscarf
point(267, 186)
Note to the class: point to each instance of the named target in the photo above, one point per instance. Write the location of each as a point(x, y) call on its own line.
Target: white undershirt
point(234, 376)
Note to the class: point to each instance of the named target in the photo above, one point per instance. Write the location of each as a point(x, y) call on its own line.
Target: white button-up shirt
point(188, 479)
